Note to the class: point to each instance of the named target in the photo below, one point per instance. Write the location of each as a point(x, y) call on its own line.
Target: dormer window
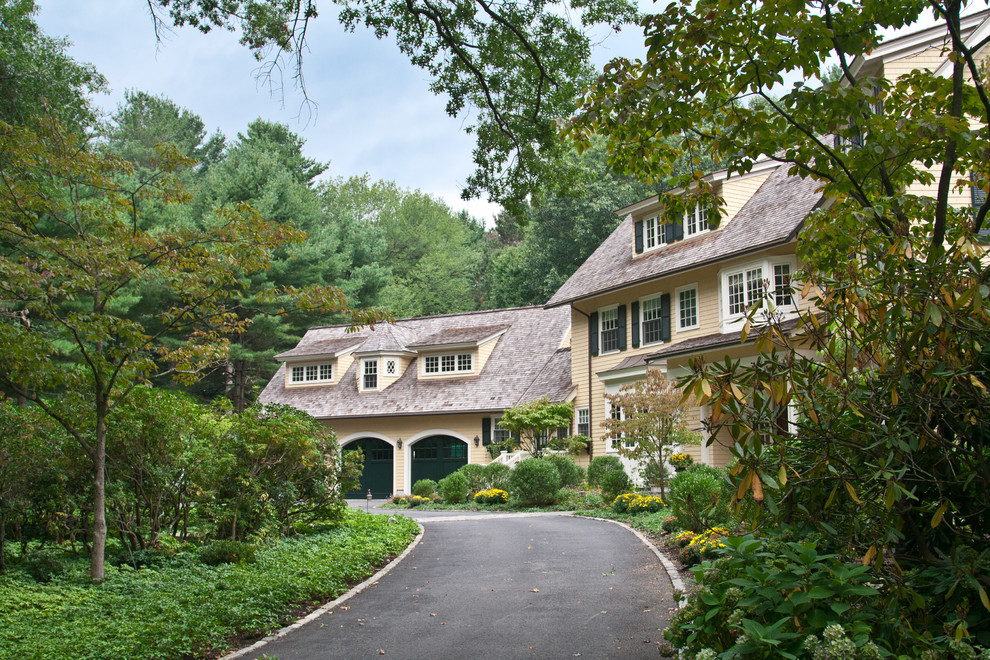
point(655, 236)
point(311, 373)
point(450, 363)
point(369, 374)
point(696, 221)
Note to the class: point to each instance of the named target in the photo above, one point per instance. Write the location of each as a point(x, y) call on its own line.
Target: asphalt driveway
point(500, 586)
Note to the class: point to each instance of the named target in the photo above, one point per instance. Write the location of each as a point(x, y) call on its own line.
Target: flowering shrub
point(684, 538)
point(492, 496)
point(681, 460)
point(645, 504)
point(416, 500)
point(703, 546)
point(621, 503)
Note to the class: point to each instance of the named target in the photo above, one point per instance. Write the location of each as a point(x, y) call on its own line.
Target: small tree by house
point(533, 423)
point(652, 424)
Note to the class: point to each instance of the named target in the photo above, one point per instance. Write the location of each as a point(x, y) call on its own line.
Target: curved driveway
point(500, 586)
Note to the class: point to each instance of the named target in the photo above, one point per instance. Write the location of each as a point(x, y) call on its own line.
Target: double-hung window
point(584, 422)
point(695, 220)
point(653, 233)
point(652, 320)
point(745, 289)
point(687, 307)
point(501, 434)
point(369, 374)
point(609, 339)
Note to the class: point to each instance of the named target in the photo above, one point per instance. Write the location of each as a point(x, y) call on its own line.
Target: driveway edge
point(323, 609)
point(672, 572)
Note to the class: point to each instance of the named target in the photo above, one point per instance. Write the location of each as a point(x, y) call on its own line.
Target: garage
point(437, 456)
point(378, 467)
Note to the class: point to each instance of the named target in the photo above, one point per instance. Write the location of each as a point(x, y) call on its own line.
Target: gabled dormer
point(318, 362)
point(383, 357)
point(457, 351)
point(655, 227)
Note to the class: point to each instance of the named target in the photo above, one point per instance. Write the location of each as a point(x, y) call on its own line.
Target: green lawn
point(187, 608)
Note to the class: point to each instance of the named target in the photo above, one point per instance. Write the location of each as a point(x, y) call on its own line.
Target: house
point(660, 291)
point(423, 396)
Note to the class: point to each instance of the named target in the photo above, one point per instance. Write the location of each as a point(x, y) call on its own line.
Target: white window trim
point(642, 319)
point(601, 319)
point(440, 372)
point(378, 374)
point(304, 381)
point(611, 444)
point(697, 307)
point(696, 211)
point(577, 419)
point(733, 322)
point(659, 227)
point(394, 363)
point(497, 429)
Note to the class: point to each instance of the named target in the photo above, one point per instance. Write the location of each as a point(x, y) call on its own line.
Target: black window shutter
point(639, 236)
point(593, 333)
point(674, 231)
point(635, 324)
point(622, 327)
point(486, 430)
point(665, 317)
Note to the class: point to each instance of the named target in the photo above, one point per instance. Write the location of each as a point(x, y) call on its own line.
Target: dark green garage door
point(437, 456)
point(377, 475)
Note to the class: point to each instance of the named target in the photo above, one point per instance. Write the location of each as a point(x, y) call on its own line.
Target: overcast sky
point(375, 114)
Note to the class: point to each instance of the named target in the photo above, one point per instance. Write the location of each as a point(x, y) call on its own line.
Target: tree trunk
point(99, 495)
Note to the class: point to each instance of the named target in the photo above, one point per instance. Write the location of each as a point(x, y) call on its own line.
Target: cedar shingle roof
point(771, 217)
point(471, 335)
point(716, 340)
point(313, 346)
point(525, 364)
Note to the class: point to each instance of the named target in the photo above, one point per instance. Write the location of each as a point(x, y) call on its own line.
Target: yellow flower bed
point(491, 496)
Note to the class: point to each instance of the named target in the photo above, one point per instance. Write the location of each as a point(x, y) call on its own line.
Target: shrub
point(491, 496)
point(599, 466)
point(454, 488)
point(621, 503)
point(571, 474)
point(681, 460)
point(226, 551)
point(763, 594)
point(417, 500)
point(400, 500)
point(699, 498)
point(614, 483)
point(44, 566)
point(475, 475)
point(645, 504)
point(702, 546)
point(497, 475)
point(424, 488)
point(535, 482)
point(654, 474)
point(147, 557)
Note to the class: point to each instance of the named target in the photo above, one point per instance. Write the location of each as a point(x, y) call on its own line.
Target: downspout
point(591, 417)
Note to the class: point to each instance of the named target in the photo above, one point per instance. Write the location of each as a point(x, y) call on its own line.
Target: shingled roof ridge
point(473, 312)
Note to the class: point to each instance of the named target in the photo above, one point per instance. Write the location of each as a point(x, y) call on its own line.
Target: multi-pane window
point(609, 330)
point(584, 422)
point(652, 322)
point(500, 434)
point(615, 412)
point(745, 289)
point(448, 364)
point(782, 284)
point(311, 373)
point(370, 377)
point(653, 233)
point(695, 220)
point(687, 308)
point(390, 367)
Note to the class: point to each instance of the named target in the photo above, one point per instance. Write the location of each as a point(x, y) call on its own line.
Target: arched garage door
point(378, 462)
point(437, 456)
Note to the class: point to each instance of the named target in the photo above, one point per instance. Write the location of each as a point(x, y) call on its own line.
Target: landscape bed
point(185, 608)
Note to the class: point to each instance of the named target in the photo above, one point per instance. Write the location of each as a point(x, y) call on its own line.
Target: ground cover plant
point(186, 608)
